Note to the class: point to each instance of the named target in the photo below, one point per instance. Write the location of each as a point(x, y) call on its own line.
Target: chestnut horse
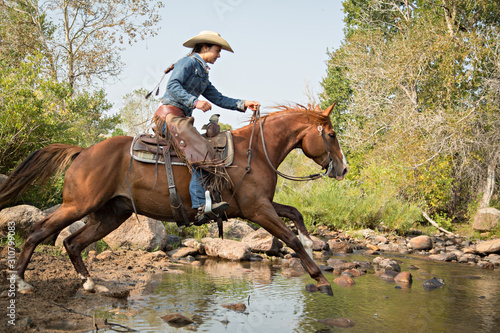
point(100, 180)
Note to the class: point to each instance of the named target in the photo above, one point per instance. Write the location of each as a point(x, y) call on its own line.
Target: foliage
point(347, 204)
point(417, 87)
point(82, 39)
point(137, 112)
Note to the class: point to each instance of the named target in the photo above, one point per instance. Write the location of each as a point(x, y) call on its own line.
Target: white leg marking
point(307, 243)
point(22, 286)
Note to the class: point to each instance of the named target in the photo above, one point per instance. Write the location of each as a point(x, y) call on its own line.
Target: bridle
point(257, 118)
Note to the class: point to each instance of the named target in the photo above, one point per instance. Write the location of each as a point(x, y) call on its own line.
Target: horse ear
point(329, 110)
point(317, 109)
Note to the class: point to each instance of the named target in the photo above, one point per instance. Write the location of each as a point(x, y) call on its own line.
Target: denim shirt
point(188, 81)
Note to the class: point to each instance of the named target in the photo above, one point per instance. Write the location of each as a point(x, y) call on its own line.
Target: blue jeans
point(197, 187)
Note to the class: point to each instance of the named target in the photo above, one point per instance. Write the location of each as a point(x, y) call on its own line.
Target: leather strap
point(176, 204)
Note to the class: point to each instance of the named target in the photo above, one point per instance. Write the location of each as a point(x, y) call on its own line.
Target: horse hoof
point(23, 287)
point(326, 289)
point(89, 286)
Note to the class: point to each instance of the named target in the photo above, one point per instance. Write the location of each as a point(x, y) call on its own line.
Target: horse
point(103, 182)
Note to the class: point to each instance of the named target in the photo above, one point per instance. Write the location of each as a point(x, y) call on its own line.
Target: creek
point(469, 302)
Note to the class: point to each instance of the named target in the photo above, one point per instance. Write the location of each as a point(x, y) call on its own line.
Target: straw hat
point(209, 37)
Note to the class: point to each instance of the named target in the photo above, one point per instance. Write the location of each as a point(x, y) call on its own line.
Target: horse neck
point(282, 134)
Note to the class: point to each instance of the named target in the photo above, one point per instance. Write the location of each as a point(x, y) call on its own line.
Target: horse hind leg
point(60, 219)
point(100, 224)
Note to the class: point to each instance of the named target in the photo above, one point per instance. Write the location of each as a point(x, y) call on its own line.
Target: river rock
point(490, 246)
point(262, 241)
point(387, 264)
point(486, 219)
point(338, 322)
point(193, 243)
point(433, 283)
point(177, 320)
point(344, 281)
point(144, 234)
point(226, 249)
point(319, 244)
point(182, 252)
point(238, 307)
point(485, 265)
point(337, 246)
point(421, 243)
point(494, 259)
point(468, 257)
point(233, 229)
point(23, 216)
point(443, 257)
point(403, 277)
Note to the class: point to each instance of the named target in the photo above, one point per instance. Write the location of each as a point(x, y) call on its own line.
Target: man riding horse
point(189, 80)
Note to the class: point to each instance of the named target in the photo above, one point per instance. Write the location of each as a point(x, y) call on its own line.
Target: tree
point(82, 39)
point(413, 76)
point(137, 112)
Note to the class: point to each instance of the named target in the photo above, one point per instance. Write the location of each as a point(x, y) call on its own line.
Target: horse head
point(322, 145)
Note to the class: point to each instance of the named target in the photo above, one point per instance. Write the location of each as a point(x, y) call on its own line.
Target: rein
point(258, 118)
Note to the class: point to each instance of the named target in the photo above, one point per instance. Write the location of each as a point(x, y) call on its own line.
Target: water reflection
point(468, 303)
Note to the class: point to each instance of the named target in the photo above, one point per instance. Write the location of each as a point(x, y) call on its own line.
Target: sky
point(280, 49)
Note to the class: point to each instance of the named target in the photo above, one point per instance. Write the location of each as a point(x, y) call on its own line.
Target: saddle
point(148, 148)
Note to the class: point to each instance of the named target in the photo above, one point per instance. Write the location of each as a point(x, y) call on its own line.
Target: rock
point(433, 283)
point(146, 234)
point(421, 243)
point(490, 246)
point(403, 277)
point(21, 218)
point(485, 265)
point(72, 228)
point(238, 307)
point(262, 241)
point(226, 249)
point(182, 252)
point(337, 246)
point(193, 243)
point(387, 264)
point(344, 281)
point(319, 245)
point(494, 259)
point(177, 320)
point(311, 288)
point(293, 268)
point(468, 257)
point(234, 229)
point(443, 256)
point(486, 219)
point(106, 255)
point(338, 322)
point(173, 242)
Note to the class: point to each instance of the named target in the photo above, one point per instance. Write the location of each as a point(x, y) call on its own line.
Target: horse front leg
point(296, 217)
point(268, 218)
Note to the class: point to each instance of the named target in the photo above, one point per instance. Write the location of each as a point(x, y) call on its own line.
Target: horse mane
point(310, 111)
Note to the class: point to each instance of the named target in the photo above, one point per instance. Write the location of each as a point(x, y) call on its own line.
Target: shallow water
point(469, 302)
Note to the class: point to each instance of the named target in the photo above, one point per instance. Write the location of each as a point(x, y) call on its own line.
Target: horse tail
point(37, 168)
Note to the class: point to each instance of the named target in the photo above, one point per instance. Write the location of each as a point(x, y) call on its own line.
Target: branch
point(436, 225)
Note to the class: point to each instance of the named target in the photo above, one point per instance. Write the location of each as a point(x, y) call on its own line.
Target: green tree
point(82, 39)
point(413, 78)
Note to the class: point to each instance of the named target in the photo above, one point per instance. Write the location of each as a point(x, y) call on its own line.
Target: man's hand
point(203, 105)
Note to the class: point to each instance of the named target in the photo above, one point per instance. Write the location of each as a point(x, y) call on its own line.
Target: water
point(470, 301)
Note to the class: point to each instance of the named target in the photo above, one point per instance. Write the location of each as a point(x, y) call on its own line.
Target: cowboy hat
point(208, 37)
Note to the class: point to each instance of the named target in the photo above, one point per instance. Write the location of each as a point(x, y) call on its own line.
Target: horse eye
point(332, 135)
